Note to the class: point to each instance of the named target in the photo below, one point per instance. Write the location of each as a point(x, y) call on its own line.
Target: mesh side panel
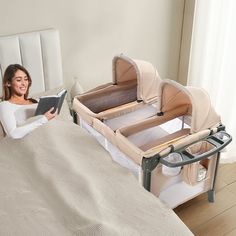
point(113, 97)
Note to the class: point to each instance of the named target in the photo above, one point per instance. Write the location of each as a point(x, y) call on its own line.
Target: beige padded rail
point(164, 141)
point(153, 121)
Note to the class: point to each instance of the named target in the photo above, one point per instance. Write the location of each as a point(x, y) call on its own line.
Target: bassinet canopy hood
point(126, 69)
point(197, 101)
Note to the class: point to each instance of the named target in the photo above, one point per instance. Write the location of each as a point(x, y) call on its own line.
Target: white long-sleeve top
point(14, 119)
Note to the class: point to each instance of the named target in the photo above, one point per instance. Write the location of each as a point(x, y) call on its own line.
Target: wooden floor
point(218, 218)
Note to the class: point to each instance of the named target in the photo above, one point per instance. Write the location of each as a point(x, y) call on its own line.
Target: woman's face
point(19, 84)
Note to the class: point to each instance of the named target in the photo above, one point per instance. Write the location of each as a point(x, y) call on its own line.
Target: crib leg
point(147, 180)
point(148, 165)
point(74, 115)
point(211, 195)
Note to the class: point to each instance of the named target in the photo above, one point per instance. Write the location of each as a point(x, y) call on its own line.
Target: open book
point(47, 102)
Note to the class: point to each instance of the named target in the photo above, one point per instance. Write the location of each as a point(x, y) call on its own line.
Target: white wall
point(92, 32)
point(187, 28)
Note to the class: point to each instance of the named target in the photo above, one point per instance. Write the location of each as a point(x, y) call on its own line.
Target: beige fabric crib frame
point(171, 100)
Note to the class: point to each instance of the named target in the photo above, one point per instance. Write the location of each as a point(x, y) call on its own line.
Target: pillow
point(65, 110)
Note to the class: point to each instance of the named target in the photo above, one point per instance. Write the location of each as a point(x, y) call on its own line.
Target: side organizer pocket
point(194, 173)
point(202, 170)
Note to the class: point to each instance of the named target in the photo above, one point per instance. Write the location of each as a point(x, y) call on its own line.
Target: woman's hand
point(49, 115)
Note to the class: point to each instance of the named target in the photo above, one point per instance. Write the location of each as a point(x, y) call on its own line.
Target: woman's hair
point(7, 79)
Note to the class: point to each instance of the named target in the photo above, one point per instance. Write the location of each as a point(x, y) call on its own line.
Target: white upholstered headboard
point(39, 52)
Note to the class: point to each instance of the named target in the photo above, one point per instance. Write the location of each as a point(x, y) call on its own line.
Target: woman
point(17, 107)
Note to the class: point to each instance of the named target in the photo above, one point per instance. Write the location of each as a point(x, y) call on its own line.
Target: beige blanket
point(59, 181)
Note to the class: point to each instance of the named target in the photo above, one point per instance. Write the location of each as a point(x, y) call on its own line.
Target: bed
point(58, 180)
